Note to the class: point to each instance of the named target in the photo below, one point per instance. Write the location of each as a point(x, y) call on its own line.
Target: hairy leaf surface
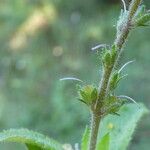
point(104, 143)
point(122, 127)
point(33, 140)
point(85, 139)
point(33, 147)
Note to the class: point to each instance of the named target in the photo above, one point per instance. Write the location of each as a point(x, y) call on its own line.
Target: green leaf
point(114, 81)
point(123, 127)
point(32, 147)
point(83, 95)
point(33, 140)
point(104, 143)
point(85, 139)
point(113, 53)
point(106, 58)
point(94, 94)
point(143, 20)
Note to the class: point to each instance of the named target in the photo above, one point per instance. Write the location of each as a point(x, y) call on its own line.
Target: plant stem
point(95, 123)
point(104, 84)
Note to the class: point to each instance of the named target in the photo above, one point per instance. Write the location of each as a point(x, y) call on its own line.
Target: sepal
point(112, 105)
point(88, 94)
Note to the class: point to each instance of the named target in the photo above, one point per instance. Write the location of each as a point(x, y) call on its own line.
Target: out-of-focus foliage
point(42, 41)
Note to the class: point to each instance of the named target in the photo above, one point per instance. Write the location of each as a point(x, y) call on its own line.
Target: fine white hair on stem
point(124, 5)
point(70, 78)
point(124, 76)
point(129, 62)
point(98, 46)
point(128, 98)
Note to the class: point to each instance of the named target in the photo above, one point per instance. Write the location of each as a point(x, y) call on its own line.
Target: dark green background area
point(31, 95)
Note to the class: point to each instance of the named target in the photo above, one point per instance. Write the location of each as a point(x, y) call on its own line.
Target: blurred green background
point(42, 41)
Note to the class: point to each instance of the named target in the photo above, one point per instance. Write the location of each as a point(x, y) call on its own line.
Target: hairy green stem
point(95, 122)
point(104, 84)
point(133, 7)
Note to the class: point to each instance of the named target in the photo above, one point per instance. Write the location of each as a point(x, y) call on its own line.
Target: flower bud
point(88, 94)
point(112, 105)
